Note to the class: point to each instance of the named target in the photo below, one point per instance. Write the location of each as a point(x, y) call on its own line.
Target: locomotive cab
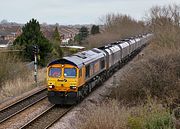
point(62, 83)
point(62, 77)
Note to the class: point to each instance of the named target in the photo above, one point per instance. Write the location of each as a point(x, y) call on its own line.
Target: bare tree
point(164, 22)
point(116, 26)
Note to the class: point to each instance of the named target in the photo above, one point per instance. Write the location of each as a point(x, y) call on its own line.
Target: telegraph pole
point(35, 50)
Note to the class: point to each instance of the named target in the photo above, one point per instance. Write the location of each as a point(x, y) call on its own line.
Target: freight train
point(71, 78)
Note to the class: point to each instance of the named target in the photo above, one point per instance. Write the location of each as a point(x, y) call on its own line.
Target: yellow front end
point(62, 82)
point(59, 79)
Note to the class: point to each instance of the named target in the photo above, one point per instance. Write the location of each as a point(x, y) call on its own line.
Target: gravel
point(28, 114)
point(47, 118)
point(22, 104)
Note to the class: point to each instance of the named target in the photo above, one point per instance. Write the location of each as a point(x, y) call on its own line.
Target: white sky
point(74, 11)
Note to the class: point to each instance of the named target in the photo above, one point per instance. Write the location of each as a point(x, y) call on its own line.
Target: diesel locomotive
point(71, 78)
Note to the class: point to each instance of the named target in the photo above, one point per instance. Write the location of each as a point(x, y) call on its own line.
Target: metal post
point(35, 63)
point(35, 68)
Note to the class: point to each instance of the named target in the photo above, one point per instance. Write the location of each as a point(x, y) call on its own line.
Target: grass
point(15, 78)
point(16, 87)
point(20, 85)
point(106, 116)
point(10, 67)
point(150, 117)
point(113, 115)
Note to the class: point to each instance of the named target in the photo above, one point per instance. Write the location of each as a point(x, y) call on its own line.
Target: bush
point(157, 75)
point(112, 115)
point(150, 116)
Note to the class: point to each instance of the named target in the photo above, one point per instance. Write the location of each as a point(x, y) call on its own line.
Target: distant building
point(47, 31)
point(5, 43)
point(81, 48)
point(66, 33)
point(65, 41)
point(8, 34)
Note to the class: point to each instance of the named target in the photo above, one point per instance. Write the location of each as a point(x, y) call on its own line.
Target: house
point(65, 41)
point(5, 43)
point(8, 33)
point(66, 33)
point(47, 31)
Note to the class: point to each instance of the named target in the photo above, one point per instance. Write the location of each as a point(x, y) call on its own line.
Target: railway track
point(47, 118)
point(22, 104)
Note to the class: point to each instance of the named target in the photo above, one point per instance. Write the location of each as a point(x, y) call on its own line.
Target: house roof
point(8, 30)
point(63, 30)
point(4, 33)
point(4, 42)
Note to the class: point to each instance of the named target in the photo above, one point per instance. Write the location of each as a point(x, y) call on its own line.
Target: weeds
point(10, 68)
point(158, 75)
point(20, 85)
point(112, 115)
point(106, 116)
point(15, 78)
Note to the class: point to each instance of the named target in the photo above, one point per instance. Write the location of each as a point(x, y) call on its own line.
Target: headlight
point(51, 86)
point(73, 87)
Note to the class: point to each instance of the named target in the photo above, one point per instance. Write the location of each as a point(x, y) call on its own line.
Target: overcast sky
point(74, 11)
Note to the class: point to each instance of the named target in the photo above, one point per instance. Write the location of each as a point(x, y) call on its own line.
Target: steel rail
point(12, 109)
point(60, 112)
point(60, 116)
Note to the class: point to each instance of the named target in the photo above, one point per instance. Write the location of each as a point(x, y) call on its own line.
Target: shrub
point(150, 116)
point(113, 115)
point(158, 75)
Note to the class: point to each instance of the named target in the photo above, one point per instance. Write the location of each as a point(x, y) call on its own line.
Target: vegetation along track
point(22, 104)
point(47, 118)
